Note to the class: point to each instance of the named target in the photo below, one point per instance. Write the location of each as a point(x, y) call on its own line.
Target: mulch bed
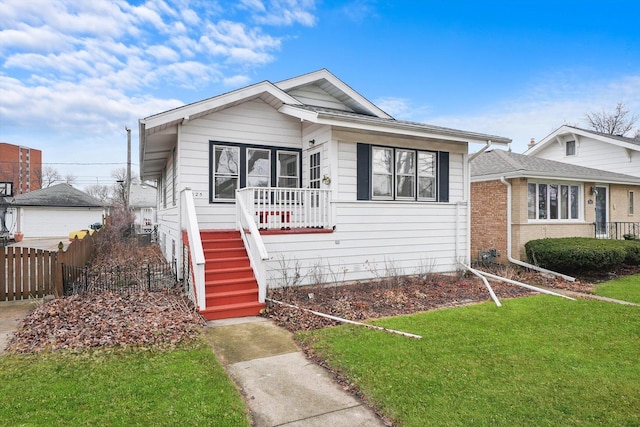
point(161, 319)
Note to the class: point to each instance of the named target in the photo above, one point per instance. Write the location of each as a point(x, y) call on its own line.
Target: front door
point(601, 212)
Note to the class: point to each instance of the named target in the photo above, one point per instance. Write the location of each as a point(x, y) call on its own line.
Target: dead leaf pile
point(370, 300)
point(84, 321)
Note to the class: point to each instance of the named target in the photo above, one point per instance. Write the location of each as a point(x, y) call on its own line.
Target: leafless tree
point(70, 178)
point(50, 176)
point(119, 188)
point(617, 122)
point(100, 192)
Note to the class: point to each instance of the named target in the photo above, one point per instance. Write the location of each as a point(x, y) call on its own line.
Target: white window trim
point(581, 207)
point(278, 171)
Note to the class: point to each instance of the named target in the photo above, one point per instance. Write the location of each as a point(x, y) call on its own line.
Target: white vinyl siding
point(371, 239)
point(593, 153)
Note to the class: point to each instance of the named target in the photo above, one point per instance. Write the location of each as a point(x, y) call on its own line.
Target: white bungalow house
point(299, 182)
point(612, 153)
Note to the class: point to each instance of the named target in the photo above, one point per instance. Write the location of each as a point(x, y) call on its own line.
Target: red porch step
point(230, 286)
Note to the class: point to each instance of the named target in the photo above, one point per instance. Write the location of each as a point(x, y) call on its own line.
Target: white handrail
point(255, 243)
point(195, 248)
point(253, 228)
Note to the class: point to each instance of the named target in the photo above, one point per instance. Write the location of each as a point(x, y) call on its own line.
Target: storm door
point(601, 211)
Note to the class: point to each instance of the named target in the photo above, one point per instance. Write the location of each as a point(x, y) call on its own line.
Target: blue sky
point(73, 74)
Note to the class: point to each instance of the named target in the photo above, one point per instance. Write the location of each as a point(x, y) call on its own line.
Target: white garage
point(56, 211)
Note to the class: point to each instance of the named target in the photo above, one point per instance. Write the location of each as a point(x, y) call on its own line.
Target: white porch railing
point(256, 250)
point(190, 224)
point(287, 208)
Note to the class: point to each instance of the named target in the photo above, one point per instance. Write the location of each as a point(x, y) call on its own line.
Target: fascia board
point(547, 177)
point(235, 96)
point(325, 74)
point(566, 130)
point(401, 128)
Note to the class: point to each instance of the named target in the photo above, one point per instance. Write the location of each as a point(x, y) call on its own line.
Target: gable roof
point(59, 195)
point(142, 196)
point(337, 88)
point(576, 133)
point(494, 164)
point(158, 133)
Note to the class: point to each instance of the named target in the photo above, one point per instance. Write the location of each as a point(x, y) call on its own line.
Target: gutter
point(517, 261)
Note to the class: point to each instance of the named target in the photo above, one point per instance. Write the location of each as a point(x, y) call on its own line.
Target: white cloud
point(163, 53)
point(401, 108)
point(281, 12)
point(545, 107)
point(77, 71)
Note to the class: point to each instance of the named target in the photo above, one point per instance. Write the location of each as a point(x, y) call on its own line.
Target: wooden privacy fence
point(33, 273)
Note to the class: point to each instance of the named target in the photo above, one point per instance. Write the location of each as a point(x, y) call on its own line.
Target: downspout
point(468, 198)
point(517, 261)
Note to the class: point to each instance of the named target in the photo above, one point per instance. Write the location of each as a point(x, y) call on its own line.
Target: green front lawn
point(536, 361)
point(625, 289)
point(116, 387)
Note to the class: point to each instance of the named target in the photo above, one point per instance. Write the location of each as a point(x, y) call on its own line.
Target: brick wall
point(489, 219)
point(22, 166)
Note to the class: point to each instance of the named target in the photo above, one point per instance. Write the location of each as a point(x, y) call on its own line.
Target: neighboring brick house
point(21, 166)
point(517, 198)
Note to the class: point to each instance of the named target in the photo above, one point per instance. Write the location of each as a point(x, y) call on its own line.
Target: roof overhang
point(398, 127)
point(575, 134)
point(159, 133)
point(555, 177)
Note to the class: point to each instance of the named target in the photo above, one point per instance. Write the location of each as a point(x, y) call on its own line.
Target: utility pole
point(128, 183)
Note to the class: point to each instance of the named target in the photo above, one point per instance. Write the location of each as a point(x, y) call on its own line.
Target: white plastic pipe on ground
point(340, 319)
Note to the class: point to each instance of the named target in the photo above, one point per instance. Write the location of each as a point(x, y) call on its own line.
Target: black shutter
point(363, 152)
point(443, 176)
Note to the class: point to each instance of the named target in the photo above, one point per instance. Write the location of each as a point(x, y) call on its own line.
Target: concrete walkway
point(282, 387)
point(11, 312)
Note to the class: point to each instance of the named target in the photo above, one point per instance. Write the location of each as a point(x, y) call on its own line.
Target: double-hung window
point(382, 173)
point(258, 167)
point(226, 170)
point(288, 169)
point(553, 201)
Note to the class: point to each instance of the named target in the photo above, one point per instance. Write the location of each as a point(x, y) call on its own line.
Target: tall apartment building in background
point(22, 166)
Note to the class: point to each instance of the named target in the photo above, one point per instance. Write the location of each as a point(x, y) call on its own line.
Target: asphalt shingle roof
point(495, 163)
point(60, 195)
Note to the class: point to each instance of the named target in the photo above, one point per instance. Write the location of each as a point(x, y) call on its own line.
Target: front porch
point(212, 281)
